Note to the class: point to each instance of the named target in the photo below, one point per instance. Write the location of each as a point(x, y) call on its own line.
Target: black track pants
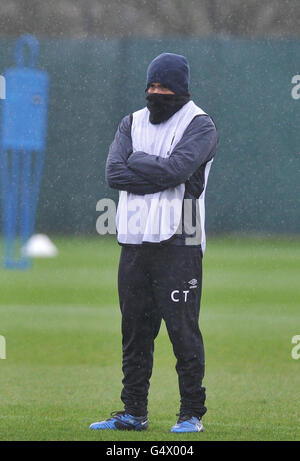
point(155, 283)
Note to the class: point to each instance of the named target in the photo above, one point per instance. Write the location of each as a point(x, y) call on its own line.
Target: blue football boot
point(120, 420)
point(188, 424)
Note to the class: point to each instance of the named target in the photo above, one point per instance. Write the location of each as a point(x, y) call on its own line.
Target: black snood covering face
point(163, 106)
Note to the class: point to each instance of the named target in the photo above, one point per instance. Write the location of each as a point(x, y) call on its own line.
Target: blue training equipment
point(22, 147)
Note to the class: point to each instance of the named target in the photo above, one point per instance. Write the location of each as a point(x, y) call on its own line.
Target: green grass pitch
point(61, 323)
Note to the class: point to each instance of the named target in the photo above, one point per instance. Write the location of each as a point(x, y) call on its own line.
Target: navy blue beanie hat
point(172, 71)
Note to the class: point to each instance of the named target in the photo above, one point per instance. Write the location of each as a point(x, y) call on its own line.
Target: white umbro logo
point(193, 283)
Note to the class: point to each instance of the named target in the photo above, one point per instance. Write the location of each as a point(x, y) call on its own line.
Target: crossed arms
point(142, 173)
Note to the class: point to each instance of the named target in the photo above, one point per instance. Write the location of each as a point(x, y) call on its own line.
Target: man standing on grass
point(160, 161)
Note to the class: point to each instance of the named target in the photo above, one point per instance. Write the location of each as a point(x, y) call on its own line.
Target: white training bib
point(154, 217)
